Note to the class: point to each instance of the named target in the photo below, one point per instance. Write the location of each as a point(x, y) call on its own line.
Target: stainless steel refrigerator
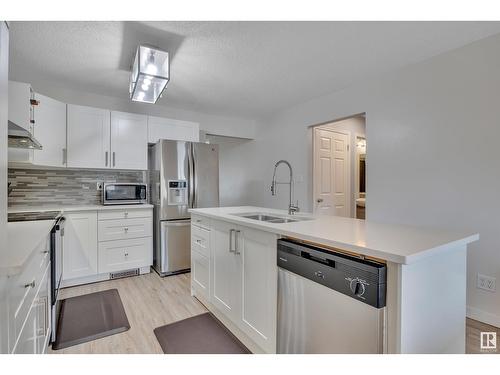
point(182, 175)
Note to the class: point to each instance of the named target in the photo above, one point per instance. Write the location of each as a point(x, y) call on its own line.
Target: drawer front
point(125, 254)
point(24, 287)
point(200, 273)
point(122, 229)
point(201, 221)
point(125, 214)
point(200, 240)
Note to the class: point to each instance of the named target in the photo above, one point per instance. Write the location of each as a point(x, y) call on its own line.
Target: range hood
point(21, 138)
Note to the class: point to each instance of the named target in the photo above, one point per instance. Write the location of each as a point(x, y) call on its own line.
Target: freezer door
point(206, 175)
point(174, 167)
point(175, 238)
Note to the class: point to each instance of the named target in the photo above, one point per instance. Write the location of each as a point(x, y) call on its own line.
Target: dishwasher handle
point(319, 259)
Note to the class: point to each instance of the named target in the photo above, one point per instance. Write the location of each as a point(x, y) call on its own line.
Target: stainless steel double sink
point(271, 218)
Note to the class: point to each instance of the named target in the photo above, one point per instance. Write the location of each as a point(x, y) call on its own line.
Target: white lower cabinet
point(122, 255)
point(259, 286)
point(29, 311)
point(226, 270)
point(242, 279)
point(97, 243)
point(200, 270)
point(80, 245)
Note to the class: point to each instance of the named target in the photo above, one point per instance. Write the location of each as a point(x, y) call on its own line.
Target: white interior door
point(331, 173)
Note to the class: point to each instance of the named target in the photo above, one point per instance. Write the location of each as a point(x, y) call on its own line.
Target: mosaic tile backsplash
point(38, 187)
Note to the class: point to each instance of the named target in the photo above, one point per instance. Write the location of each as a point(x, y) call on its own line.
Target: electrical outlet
point(486, 282)
point(99, 186)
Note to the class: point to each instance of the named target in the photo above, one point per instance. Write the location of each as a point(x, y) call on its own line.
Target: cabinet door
point(226, 270)
point(20, 112)
point(50, 131)
point(80, 245)
point(164, 128)
point(27, 342)
point(124, 255)
point(20, 105)
point(129, 141)
point(88, 137)
point(200, 273)
point(257, 250)
point(43, 318)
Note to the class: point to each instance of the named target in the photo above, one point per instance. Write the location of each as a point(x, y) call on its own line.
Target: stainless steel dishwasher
point(329, 302)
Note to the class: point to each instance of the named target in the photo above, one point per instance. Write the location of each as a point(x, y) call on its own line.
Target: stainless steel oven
point(56, 259)
point(124, 193)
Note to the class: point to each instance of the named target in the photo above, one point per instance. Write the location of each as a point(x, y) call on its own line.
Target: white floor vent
point(121, 274)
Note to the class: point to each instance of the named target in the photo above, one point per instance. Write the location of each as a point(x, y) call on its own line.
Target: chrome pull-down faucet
point(292, 209)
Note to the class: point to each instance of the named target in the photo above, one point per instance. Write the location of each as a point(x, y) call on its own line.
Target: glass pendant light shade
point(150, 74)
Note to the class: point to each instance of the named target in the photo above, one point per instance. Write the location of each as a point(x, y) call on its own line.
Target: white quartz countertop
point(391, 242)
point(23, 237)
point(44, 208)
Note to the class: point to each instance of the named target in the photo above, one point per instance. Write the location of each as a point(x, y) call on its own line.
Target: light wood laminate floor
point(151, 301)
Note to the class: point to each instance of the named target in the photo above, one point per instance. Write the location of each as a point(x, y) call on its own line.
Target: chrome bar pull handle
point(114, 158)
point(231, 232)
point(106, 158)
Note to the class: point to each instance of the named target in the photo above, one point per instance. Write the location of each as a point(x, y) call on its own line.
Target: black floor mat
point(201, 334)
point(90, 317)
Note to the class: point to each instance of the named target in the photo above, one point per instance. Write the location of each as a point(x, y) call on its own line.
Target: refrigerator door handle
point(195, 179)
point(191, 176)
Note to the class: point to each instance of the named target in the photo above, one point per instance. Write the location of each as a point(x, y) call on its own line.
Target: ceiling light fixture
point(150, 74)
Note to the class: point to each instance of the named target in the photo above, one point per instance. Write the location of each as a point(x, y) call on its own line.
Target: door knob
point(319, 200)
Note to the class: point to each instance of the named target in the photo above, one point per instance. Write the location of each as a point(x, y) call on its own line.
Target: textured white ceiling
point(248, 69)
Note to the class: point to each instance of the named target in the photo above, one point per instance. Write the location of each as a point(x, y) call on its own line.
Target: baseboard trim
point(483, 316)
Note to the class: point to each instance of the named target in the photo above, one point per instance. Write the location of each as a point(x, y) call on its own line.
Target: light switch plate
point(99, 186)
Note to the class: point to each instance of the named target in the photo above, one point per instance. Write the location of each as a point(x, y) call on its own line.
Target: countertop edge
point(63, 208)
point(10, 271)
point(394, 258)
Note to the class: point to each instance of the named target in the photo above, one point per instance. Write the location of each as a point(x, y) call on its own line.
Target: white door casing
point(331, 173)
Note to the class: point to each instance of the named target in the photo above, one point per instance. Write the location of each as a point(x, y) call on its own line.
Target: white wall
point(235, 155)
point(356, 127)
point(4, 71)
point(432, 134)
point(215, 124)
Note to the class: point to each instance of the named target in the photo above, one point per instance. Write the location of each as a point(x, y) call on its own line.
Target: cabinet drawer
point(125, 254)
point(200, 273)
point(24, 287)
point(125, 214)
point(201, 221)
point(200, 240)
point(122, 229)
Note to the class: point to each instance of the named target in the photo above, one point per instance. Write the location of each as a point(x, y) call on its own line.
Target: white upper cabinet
point(129, 141)
point(164, 128)
point(50, 131)
point(21, 114)
point(88, 137)
point(20, 109)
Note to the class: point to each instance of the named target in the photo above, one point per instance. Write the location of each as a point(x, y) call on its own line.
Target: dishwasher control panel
point(361, 279)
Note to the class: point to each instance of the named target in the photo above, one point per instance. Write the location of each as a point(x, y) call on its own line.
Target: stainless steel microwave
point(124, 193)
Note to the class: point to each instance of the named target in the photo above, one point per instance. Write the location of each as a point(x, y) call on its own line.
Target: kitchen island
point(425, 287)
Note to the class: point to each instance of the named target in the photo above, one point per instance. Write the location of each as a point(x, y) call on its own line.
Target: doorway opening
point(339, 167)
